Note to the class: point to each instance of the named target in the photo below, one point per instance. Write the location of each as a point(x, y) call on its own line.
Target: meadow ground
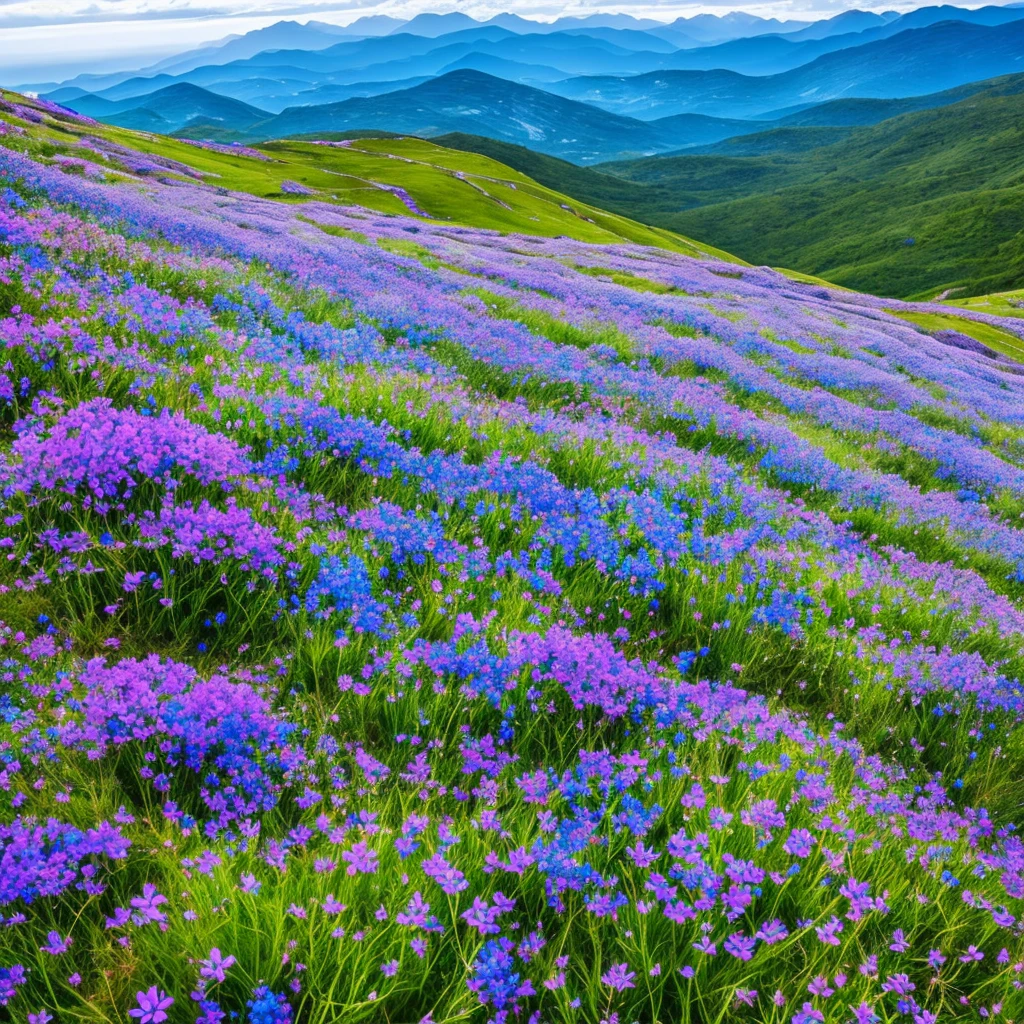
point(406, 620)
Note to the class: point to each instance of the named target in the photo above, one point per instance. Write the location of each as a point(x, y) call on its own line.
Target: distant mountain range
point(737, 42)
point(584, 119)
point(172, 108)
point(587, 90)
point(481, 104)
point(913, 62)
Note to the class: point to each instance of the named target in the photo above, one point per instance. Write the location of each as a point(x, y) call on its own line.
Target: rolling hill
point(917, 204)
point(500, 67)
point(407, 619)
point(914, 205)
point(856, 111)
point(392, 176)
point(174, 107)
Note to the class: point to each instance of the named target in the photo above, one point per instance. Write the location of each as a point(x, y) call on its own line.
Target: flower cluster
point(521, 630)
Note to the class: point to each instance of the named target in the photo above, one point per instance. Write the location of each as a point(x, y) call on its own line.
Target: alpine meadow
point(511, 521)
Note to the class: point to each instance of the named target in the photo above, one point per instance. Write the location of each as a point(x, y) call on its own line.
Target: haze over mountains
point(584, 89)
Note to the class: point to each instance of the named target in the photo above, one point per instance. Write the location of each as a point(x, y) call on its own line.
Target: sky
point(51, 40)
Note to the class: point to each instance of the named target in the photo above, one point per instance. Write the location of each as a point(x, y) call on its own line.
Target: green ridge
point(449, 185)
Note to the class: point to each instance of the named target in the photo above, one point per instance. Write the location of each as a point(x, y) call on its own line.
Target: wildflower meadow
point(406, 621)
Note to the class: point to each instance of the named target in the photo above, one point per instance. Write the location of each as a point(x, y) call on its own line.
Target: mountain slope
point(758, 55)
point(949, 179)
point(175, 106)
point(913, 62)
point(773, 54)
point(433, 25)
point(500, 67)
point(856, 111)
point(283, 35)
point(841, 24)
point(377, 586)
point(774, 71)
point(709, 29)
point(390, 176)
point(468, 101)
point(777, 140)
point(921, 203)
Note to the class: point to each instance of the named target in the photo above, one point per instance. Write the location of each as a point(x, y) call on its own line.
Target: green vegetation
point(405, 622)
point(910, 207)
point(372, 172)
point(915, 206)
point(998, 304)
point(1000, 341)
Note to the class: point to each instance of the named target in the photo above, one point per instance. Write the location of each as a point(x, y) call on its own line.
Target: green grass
point(998, 304)
point(910, 207)
point(999, 341)
point(448, 185)
point(708, 604)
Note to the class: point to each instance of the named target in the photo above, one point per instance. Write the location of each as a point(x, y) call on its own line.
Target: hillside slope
point(948, 179)
point(917, 204)
point(470, 101)
point(171, 108)
point(392, 176)
point(405, 621)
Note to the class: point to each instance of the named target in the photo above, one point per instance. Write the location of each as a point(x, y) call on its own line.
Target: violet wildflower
point(152, 1006)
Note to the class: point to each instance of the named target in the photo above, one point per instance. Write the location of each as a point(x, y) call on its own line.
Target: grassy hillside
point(392, 176)
point(775, 141)
point(999, 303)
point(610, 191)
point(403, 621)
point(992, 337)
point(912, 206)
point(860, 111)
point(949, 179)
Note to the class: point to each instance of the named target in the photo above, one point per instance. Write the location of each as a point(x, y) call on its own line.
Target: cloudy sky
point(44, 40)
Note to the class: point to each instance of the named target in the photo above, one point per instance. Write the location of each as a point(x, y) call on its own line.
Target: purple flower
point(829, 932)
point(864, 1013)
point(147, 906)
point(900, 984)
point(152, 1006)
point(746, 996)
point(740, 946)
point(268, 1007)
point(55, 945)
point(361, 859)
point(215, 965)
point(808, 1015)
point(619, 977)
